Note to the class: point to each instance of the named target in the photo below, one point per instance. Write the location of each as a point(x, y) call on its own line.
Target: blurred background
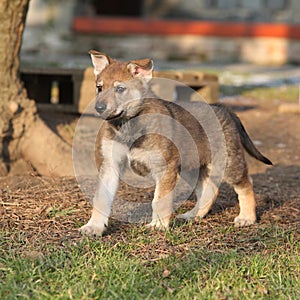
point(253, 47)
point(264, 32)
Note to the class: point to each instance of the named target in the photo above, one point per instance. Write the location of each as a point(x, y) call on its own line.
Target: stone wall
point(263, 51)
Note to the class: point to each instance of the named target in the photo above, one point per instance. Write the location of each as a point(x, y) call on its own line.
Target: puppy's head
point(120, 86)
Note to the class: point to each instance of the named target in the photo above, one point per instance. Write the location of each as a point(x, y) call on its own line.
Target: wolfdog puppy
point(165, 138)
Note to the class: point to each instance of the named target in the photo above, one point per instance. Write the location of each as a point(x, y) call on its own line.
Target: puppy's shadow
point(273, 188)
point(277, 186)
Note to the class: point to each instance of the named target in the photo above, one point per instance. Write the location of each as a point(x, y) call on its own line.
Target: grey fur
point(196, 141)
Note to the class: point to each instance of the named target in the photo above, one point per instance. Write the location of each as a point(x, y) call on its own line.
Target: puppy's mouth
point(115, 117)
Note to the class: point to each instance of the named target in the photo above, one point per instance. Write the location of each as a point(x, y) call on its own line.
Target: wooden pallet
point(54, 88)
point(190, 85)
point(71, 90)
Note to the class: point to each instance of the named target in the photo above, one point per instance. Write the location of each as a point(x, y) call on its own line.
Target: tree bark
point(22, 132)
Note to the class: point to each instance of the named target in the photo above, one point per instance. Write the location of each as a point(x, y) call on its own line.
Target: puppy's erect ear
point(141, 68)
point(100, 61)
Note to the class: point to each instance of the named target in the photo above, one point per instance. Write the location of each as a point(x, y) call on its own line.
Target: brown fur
point(134, 117)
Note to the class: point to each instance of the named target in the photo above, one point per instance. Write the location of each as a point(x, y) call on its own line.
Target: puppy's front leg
point(109, 175)
point(102, 202)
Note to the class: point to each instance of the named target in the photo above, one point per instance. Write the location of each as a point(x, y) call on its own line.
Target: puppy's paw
point(92, 230)
point(158, 225)
point(244, 221)
point(188, 216)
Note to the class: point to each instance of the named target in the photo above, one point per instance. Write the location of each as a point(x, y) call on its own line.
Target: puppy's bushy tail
point(247, 143)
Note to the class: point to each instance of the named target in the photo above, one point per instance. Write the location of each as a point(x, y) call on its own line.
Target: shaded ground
point(37, 211)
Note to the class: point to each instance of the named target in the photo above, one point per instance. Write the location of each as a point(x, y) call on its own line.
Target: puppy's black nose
point(100, 107)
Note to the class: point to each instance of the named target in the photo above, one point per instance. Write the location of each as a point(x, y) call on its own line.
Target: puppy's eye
point(120, 89)
point(99, 88)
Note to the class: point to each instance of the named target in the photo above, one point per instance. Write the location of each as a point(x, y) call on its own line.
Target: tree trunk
point(22, 132)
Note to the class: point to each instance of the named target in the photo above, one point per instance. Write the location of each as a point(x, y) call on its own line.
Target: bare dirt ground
point(39, 211)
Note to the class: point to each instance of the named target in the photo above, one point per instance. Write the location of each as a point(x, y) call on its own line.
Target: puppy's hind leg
point(247, 203)
point(206, 193)
point(162, 204)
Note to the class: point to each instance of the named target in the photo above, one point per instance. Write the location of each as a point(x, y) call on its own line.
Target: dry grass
point(50, 210)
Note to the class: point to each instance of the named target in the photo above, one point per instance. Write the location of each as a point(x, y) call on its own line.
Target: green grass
point(289, 93)
point(122, 268)
point(283, 93)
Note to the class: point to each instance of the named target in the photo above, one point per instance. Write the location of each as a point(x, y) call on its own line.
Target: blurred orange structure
point(126, 25)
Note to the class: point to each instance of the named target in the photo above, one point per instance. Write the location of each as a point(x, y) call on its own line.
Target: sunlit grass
point(98, 269)
point(283, 93)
